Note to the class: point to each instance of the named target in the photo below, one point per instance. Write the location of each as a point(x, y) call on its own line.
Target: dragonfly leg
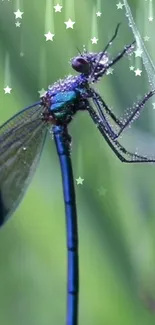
point(107, 125)
point(105, 49)
point(103, 106)
point(123, 154)
point(126, 50)
point(112, 39)
point(138, 107)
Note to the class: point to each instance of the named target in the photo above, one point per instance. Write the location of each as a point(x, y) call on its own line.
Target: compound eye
point(81, 65)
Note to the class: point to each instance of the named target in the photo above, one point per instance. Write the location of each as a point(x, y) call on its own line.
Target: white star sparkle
point(7, 90)
point(146, 38)
point(42, 92)
point(131, 68)
point(79, 181)
point(153, 105)
point(17, 24)
point(98, 14)
point(57, 8)
point(18, 14)
point(69, 23)
point(119, 5)
point(150, 19)
point(138, 72)
point(49, 36)
point(138, 52)
point(109, 71)
point(94, 40)
point(102, 191)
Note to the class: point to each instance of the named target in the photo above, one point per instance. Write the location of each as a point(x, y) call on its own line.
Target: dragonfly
point(23, 136)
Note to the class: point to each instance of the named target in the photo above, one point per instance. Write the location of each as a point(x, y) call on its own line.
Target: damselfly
point(23, 136)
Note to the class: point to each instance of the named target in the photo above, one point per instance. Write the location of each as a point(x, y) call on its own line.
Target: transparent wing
point(21, 143)
point(18, 120)
point(147, 61)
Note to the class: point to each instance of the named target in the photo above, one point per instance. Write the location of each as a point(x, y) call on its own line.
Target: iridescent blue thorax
point(64, 98)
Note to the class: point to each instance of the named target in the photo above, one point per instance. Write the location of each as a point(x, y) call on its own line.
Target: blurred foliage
point(117, 228)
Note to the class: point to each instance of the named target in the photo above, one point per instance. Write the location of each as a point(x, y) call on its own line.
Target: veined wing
point(24, 116)
point(21, 142)
point(147, 61)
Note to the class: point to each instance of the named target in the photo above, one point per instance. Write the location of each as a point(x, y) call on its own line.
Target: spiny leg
point(105, 49)
point(112, 62)
point(139, 106)
point(130, 156)
point(104, 121)
point(132, 117)
point(107, 109)
point(116, 147)
point(121, 54)
point(112, 39)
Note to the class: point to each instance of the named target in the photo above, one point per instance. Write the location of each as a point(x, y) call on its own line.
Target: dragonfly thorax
point(64, 98)
point(67, 84)
point(60, 108)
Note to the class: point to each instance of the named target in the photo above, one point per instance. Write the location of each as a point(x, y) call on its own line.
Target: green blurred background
point(116, 209)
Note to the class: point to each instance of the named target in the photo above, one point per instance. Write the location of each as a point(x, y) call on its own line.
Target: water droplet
point(51, 131)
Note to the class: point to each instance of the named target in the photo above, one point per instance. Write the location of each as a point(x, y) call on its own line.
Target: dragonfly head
point(93, 65)
point(90, 64)
point(81, 64)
